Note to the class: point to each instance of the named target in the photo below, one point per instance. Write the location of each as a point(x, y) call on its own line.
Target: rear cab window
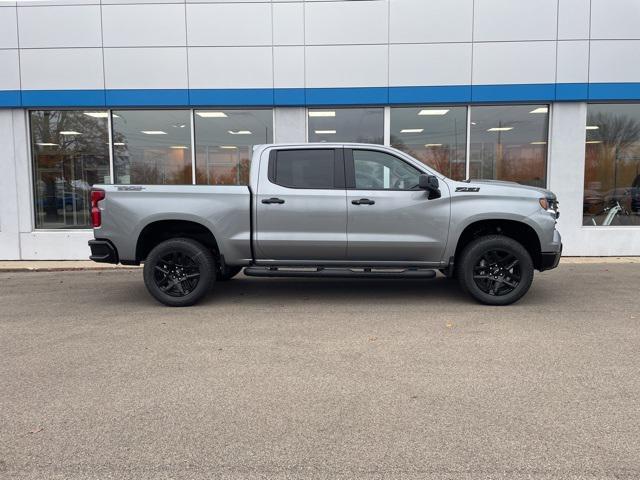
point(321, 168)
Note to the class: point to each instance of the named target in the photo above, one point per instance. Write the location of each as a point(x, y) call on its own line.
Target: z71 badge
point(467, 189)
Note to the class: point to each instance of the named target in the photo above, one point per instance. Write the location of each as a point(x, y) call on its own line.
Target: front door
point(389, 218)
point(301, 206)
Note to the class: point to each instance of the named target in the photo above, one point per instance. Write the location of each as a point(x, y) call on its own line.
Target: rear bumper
point(550, 260)
point(102, 251)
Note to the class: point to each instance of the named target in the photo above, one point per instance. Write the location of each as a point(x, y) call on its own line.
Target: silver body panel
point(224, 210)
point(317, 226)
point(310, 225)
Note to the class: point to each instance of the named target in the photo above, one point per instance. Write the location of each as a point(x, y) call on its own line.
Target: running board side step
point(332, 272)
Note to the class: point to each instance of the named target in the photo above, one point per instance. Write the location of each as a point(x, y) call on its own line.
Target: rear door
point(389, 218)
point(301, 205)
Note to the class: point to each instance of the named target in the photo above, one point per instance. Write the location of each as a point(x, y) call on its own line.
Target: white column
point(566, 179)
point(566, 169)
point(290, 125)
point(9, 224)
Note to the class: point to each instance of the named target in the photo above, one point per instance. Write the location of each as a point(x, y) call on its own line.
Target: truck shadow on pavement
point(244, 290)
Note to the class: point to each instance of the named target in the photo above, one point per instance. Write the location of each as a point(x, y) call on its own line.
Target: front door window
point(381, 171)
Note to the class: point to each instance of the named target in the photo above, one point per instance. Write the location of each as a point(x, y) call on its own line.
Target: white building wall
point(9, 226)
point(111, 44)
point(93, 45)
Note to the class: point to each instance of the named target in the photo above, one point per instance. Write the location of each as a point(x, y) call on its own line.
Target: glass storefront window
point(70, 151)
point(612, 165)
point(362, 125)
point(224, 143)
point(437, 136)
point(152, 146)
point(509, 142)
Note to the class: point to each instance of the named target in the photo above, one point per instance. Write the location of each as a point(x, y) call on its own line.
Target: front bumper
point(550, 260)
point(102, 251)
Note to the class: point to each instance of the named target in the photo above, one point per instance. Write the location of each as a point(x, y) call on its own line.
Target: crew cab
point(329, 210)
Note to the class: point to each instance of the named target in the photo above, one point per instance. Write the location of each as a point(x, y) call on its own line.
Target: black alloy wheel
point(497, 272)
point(180, 271)
point(176, 274)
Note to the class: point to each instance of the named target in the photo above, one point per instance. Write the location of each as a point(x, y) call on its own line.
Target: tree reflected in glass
point(70, 154)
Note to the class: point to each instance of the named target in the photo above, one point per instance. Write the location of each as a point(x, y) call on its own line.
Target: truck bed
point(226, 210)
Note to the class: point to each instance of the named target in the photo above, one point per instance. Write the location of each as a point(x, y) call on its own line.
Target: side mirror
point(430, 184)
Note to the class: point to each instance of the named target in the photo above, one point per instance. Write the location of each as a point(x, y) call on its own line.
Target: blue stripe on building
point(268, 97)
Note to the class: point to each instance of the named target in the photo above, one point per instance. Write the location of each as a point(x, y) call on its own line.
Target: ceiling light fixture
point(212, 114)
point(592, 127)
point(412, 130)
point(228, 147)
point(325, 132)
point(70, 132)
point(179, 147)
point(97, 114)
point(593, 141)
point(499, 129)
point(46, 144)
point(239, 132)
point(540, 110)
point(153, 132)
point(432, 145)
point(538, 143)
point(118, 144)
point(326, 113)
point(433, 111)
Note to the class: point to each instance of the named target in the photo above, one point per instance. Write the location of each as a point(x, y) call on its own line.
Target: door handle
point(273, 200)
point(363, 201)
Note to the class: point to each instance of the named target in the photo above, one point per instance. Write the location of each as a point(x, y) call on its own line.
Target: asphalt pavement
point(320, 379)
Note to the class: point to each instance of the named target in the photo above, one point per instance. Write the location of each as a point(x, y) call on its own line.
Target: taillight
point(96, 217)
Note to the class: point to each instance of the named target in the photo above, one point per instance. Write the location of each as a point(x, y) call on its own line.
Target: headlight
point(550, 205)
point(544, 203)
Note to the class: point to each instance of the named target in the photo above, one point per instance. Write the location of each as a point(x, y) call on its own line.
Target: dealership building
point(544, 92)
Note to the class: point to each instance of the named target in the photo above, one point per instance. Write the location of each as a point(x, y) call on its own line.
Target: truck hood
point(498, 183)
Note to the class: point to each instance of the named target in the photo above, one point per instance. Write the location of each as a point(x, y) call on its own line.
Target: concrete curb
point(579, 260)
point(58, 266)
point(65, 265)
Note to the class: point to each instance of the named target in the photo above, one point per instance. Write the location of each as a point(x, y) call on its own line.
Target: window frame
point(188, 110)
point(32, 169)
point(467, 159)
point(194, 136)
point(586, 226)
point(548, 103)
point(385, 120)
point(338, 167)
point(350, 170)
point(467, 125)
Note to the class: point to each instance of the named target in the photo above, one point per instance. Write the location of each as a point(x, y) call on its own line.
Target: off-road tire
point(471, 262)
point(200, 259)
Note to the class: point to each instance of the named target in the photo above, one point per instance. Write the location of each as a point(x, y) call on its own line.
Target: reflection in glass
point(224, 143)
point(437, 136)
point(361, 125)
point(70, 154)
point(612, 165)
point(152, 147)
point(509, 142)
point(381, 171)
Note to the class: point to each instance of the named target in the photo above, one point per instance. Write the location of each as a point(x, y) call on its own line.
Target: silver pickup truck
point(329, 210)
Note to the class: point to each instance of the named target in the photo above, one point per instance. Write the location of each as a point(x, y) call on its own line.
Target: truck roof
point(319, 144)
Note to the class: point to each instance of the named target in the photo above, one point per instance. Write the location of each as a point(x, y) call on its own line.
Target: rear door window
point(304, 168)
